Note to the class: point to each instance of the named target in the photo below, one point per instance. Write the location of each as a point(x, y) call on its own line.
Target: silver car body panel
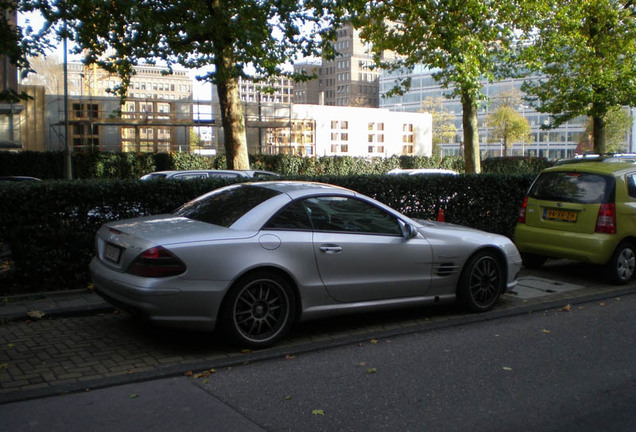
point(331, 272)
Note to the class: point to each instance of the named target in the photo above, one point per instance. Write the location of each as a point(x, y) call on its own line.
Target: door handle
point(330, 249)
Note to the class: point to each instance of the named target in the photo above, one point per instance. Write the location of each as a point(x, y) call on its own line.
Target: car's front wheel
point(259, 310)
point(622, 264)
point(481, 283)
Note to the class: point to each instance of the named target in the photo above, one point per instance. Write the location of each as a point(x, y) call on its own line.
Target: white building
point(321, 130)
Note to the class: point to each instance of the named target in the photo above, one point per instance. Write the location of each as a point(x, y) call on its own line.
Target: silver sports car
point(254, 258)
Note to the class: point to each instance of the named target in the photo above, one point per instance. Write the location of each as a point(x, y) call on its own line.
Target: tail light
point(522, 211)
point(156, 262)
point(606, 220)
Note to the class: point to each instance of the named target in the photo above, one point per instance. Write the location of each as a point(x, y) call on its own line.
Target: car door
point(362, 254)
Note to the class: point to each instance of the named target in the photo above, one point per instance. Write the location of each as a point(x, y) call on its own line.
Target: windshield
point(575, 187)
point(225, 206)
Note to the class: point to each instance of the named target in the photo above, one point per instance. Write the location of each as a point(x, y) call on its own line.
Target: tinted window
point(573, 187)
point(293, 216)
point(225, 206)
point(344, 214)
point(631, 185)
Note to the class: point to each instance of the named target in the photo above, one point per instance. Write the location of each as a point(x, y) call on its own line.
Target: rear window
point(225, 206)
point(575, 187)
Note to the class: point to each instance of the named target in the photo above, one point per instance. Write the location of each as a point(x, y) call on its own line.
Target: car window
point(224, 175)
point(189, 176)
point(631, 184)
point(576, 187)
point(293, 216)
point(225, 206)
point(346, 214)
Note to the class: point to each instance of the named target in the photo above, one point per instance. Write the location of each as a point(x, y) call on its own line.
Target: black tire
point(481, 283)
point(259, 310)
point(620, 267)
point(533, 261)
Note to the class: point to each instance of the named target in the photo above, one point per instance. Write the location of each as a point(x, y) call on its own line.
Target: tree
point(509, 126)
point(443, 122)
point(584, 58)
point(617, 125)
point(463, 42)
point(251, 39)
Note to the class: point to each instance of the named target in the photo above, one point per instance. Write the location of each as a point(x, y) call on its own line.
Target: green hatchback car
point(583, 211)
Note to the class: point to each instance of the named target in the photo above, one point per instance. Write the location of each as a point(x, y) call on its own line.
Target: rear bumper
point(592, 248)
point(173, 302)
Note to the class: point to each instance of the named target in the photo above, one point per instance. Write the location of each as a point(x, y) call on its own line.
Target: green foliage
point(50, 226)
point(463, 42)
point(508, 125)
point(132, 166)
point(585, 53)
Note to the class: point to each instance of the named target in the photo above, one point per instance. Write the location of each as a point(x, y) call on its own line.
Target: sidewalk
point(51, 304)
point(65, 342)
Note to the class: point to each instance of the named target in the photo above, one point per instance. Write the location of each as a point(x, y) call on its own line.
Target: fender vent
point(445, 269)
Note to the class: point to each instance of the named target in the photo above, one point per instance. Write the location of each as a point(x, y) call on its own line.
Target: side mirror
point(408, 230)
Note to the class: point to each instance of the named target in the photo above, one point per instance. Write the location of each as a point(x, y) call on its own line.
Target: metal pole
point(68, 168)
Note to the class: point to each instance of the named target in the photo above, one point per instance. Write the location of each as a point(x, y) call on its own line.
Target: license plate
point(560, 215)
point(112, 253)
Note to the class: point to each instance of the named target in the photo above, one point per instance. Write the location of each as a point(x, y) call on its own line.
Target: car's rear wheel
point(259, 310)
point(481, 283)
point(533, 261)
point(622, 264)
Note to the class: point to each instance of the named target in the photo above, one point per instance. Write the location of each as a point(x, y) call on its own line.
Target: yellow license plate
point(560, 215)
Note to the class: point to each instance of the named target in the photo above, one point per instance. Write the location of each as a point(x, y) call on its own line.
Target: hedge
point(101, 165)
point(50, 226)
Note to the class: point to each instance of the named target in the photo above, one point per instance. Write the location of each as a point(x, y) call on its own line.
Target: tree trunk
point(598, 134)
point(472, 159)
point(232, 118)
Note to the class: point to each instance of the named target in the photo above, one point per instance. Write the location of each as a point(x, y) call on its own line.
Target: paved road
point(68, 354)
point(567, 369)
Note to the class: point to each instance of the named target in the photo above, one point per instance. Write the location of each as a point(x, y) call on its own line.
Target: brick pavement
point(82, 344)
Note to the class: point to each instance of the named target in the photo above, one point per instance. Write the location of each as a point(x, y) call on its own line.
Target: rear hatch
point(568, 200)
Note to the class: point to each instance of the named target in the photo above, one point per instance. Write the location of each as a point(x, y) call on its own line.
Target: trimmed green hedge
point(100, 165)
point(50, 226)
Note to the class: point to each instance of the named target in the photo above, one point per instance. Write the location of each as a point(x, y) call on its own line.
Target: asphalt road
point(559, 370)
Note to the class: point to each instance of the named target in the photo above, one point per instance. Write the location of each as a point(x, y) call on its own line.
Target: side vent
point(446, 269)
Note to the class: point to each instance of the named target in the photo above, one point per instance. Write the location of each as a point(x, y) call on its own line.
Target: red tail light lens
point(522, 211)
point(606, 220)
point(156, 262)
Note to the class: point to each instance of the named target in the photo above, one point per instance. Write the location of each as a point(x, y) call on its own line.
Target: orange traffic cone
point(440, 215)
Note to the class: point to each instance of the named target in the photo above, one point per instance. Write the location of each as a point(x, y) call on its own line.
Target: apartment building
point(347, 80)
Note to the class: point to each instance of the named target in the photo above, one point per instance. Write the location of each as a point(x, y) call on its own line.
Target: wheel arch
point(269, 269)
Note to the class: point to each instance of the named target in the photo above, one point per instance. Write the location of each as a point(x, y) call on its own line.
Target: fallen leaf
point(566, 308)
point(506, 368)
point(288, 397)
point(617, 299)
point(289, 357)
point(188, 373)
point(374, 341)
point(246, 351)
point(318, 412)
point(601, 304)
point(134, 396)
point(4, 365)
point(545, 331)
point(204, 374)
point(10, 345)
point(35, 314)
point(371, 370)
